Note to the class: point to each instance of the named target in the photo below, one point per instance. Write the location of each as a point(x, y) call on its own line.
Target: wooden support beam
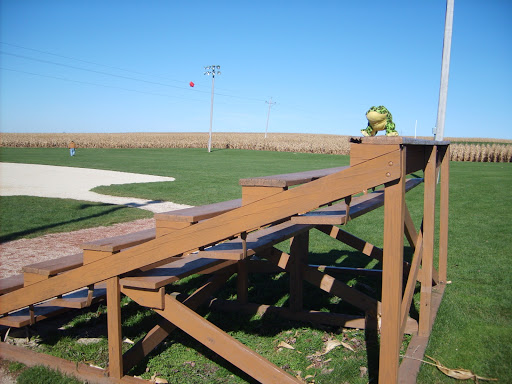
point(392, 272)
point(248, 217)
point(444, 213)
point(159, 332)
point(115, 337)
point(299, 249)
point(328, 284)
point(411, 281)
point(429, 205)
point(224, 345)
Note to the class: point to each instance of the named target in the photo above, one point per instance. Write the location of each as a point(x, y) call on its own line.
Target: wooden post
point(394, 217)
point(443, 219)
point(299, 248)
point(115, 342)
point(428, 244)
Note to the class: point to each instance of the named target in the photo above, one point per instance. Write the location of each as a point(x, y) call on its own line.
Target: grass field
point(473, 329)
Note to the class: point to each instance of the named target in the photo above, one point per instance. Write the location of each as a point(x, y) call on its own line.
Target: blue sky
point(125, 66)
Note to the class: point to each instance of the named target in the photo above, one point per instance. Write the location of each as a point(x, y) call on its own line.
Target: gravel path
point(69, 183)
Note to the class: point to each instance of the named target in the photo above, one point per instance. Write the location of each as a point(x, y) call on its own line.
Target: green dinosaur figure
point(379, 118)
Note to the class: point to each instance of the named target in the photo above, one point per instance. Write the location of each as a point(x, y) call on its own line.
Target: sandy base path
point(75, 183)
point(68, 183)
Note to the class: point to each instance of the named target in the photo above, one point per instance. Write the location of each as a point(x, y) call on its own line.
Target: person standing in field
point(72, 147)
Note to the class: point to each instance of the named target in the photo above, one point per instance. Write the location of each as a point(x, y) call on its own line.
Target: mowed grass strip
point(473, 329)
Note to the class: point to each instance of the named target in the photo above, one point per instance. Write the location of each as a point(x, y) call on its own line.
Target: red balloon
point(191, 83)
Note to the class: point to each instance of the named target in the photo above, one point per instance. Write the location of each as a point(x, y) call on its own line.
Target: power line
point(268, 114)
point(89, 83)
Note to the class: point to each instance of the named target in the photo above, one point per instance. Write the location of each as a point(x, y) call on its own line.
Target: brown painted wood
point(117, 243)
point(115, 337)
point(169, 273)
point(92, 256)
point(352, 241)
point(299, 250)
point(256, 241)
point(224, 345)
point(252, 194)
point(411, 280)
point(11, 283)
point(32, 278)
point(410, 231)
point(327, 283)
point(83, 372)
point(428, 244)
point(285, 204)
point(360, 205)
point(149, 298)
point(202, 212)
point(289, 179)
point(317, 317)
point(158, 333)
point(411, 364)
point(444, 212)
point(52, 308)
point(362, 153)
point(55, 266)
point(164, 227)
point(392, 270)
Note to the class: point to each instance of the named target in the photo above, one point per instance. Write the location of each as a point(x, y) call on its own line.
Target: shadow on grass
point(21, 234)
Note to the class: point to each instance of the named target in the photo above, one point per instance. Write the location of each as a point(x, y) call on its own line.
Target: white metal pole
point(211, 117)
point(445, 71)
point(415, 125)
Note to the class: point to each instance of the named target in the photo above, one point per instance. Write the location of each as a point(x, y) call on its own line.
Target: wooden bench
point(256, 188)
point(53, 307)
point(167, 222)
point(11, 283)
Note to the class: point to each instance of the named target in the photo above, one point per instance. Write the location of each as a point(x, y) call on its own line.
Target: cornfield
point(465, 149)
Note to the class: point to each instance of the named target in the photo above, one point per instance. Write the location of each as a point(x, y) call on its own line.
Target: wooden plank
point(289, 179)
point(55, 266)
point(327, 283)
point(158, 333)
point(411, 363)
point(317, 317)
point(117, 243)
point(11, 283)
point(224, 345)
point(362, 153)
point(149, 298)
point(81, 371)
point(392, 271)
point(444, 213)
point(169, 273)
point(252, 194)
point(429, 205)
point(260, 213)
point(202, 212)
point(51, 308)
point(299, 250)
point(115, 337)
point(32, 278)
point(256, 241)
point(360, 205)
point(411, 281)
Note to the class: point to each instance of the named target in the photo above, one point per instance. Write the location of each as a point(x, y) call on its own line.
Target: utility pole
point(445, 71)
point(211, 70)
point(268, 114)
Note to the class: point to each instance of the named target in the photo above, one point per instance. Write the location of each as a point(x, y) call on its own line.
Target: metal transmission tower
point(268, 114)
point(211, 70)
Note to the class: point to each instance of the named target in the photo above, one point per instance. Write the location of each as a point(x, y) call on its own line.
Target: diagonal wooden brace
point(224, 345)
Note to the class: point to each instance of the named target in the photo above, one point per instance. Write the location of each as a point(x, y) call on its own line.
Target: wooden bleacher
point(223, 238)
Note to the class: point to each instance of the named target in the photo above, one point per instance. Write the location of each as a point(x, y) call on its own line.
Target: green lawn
point(473, 329)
